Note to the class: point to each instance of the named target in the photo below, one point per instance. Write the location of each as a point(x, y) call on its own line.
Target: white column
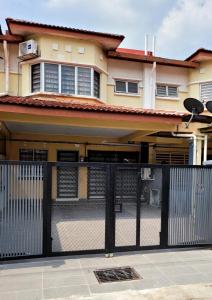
point(149, 83)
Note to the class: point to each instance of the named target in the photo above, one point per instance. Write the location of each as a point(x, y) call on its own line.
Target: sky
point(180, 26)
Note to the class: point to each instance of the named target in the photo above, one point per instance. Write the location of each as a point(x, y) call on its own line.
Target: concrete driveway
point(73, 277)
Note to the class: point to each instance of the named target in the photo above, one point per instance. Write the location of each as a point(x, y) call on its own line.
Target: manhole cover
point(116, 274)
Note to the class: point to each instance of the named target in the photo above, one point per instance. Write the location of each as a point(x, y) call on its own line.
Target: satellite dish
point(194, 106)
point(209, 106)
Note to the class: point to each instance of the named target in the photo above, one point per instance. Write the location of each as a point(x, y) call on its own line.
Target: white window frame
point(42, 79)
point(167, 96)
point(126, 83)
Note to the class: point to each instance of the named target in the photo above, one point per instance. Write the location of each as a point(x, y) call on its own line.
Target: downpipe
point(192, 136)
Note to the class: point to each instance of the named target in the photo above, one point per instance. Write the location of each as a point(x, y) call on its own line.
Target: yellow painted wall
point(93, 54)
point(198, 75)
point(14, 82)
point(14, 146)
point(26, 80)
point(172, 104)
point(2, 80)
point(122, 99)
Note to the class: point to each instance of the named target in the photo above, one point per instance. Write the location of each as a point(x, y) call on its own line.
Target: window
point(132, 87)
point(67, 156)
point(33, 155)
point(166, 91)
point(84, 81)
point(206, 91)
point(51, 78)
point(65, 79)
point(96, 84)
point(127, 87)
point(36, 78)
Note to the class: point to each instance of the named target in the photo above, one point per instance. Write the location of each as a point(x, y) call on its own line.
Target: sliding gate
point(142, 207)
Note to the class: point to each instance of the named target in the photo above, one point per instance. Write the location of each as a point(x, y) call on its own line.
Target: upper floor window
point(163, 90)
point(127, 87)
point(35, 78)
point(65, 79)
point(206, 91)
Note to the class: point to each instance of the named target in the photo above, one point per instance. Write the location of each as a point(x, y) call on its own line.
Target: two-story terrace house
point(77, 96)
point(72, 95)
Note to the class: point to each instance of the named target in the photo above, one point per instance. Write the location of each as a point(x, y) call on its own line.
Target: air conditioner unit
point(28, 49)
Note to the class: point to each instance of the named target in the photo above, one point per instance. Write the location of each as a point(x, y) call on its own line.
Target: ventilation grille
point(172, 158)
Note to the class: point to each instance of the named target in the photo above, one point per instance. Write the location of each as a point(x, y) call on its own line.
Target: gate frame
point(109, 207)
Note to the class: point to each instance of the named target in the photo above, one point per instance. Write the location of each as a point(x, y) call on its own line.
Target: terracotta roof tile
point(31, 23)
point(133, 51)
point(77, 105)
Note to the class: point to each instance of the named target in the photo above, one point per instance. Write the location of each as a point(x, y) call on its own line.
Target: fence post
point(110, 213)
point(138, 208)
point(165, 206)
point(47, 195)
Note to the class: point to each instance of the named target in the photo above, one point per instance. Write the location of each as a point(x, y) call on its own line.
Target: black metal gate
point(142, 207)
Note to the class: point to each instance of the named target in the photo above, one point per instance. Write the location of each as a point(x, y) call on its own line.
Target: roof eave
point(151, 59)
point(10, 38)
point(24, 28)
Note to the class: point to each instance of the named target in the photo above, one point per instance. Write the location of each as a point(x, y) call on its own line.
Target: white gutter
point(194, 137)
point(6, 69)
point(205, 148)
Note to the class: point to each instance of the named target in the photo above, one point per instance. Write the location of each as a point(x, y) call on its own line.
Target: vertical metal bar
point(47, 196)
point(138, 212)
point(110, 213)
point(165, 206)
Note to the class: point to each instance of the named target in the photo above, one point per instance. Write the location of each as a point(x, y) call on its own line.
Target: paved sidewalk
point(72, 277)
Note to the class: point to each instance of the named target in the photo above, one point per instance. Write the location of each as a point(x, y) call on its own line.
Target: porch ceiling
point(18, 127)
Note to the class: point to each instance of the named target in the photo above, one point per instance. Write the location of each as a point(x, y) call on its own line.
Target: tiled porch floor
point(82, 226)
point(67, 276)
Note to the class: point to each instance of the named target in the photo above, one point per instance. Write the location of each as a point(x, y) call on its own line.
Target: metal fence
point(69, 208)
point(21, 210)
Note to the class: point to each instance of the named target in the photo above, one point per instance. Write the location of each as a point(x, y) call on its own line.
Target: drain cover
point(116, 274)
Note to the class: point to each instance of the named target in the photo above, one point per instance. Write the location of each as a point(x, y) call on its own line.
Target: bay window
point(65, 79)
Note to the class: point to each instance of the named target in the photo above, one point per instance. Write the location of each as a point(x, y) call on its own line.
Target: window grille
point(206, 91)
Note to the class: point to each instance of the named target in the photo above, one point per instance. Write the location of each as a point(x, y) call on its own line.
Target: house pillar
point(149, 84)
